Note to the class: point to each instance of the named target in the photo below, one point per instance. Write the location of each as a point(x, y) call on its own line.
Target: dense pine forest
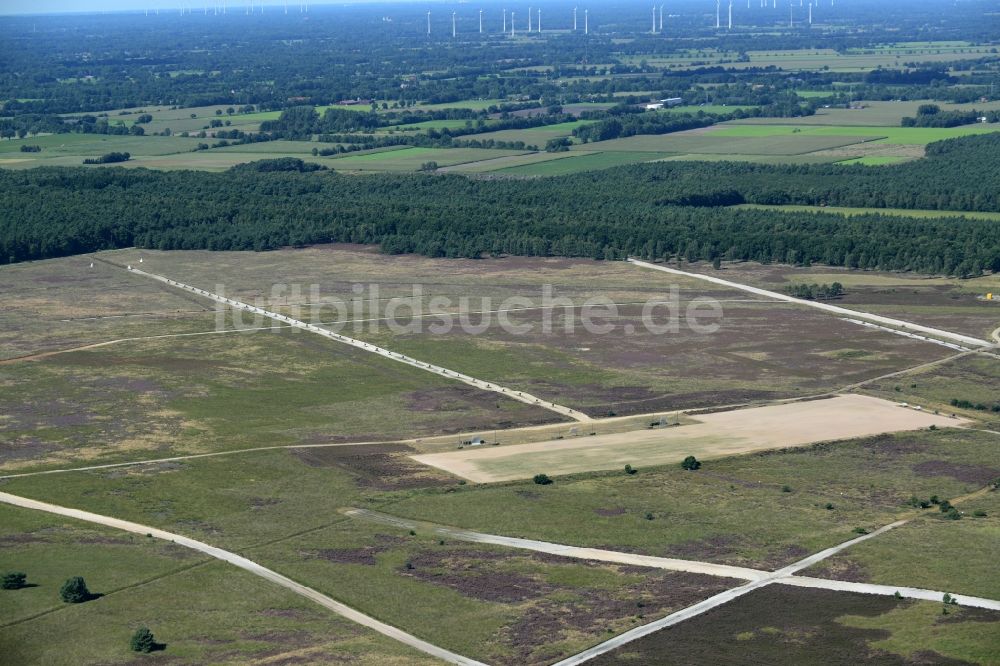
point(662, 210)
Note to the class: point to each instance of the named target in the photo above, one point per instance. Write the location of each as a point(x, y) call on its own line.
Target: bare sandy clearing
point(715, 435)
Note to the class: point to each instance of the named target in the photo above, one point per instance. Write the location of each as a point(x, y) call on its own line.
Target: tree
point(142, 640)
point(542, 479)
point(691, 463)
point(74, 591)
point(13, 580)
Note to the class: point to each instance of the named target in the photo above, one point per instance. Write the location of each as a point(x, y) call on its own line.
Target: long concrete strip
point(252, 567)
point(595, 554)
point(835, 309)
point(359, 344)
point(888, 591)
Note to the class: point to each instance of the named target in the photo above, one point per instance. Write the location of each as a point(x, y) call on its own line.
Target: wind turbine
point(428, 23)
point(654, 20)
point(480, 21)
point(718, 16)
point(661, 18)
point(539, 26)
point(453, 29)
point(512, 23)
point(810, 13)
point(529, 19)
point(586, 21)
point(574, 19)
point(504, 22)
point(791, 17)
point(730, 14)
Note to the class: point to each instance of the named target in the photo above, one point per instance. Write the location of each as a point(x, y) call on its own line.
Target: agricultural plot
point(872, 114)
point(411, 159)
point(711, 436)
point(763, 510)
point(727, 142)
point(781, 624)
point(71, 149)
point(498, 163)
point(901, 212)
point(575, 163)
point(201, 611)
point(896, 135)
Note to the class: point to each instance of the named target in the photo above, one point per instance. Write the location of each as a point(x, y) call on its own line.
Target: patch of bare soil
point(841, 567)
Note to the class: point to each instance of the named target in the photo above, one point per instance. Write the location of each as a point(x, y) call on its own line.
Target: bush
point(31, 149)
point(542, 479)
point(786, 489)
point(690, 464)
point(13, 580)
point(74, 591)
point(829, 506)
point(142, 640)
point(979, 513)
point(953, 514)
point(630, 470)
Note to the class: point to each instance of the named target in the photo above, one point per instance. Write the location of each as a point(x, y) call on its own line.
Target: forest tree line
point(666, 210)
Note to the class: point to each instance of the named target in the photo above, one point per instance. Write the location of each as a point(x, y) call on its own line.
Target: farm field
point(732, 140)
point(873, 114)
point(200, 610)
point(499, 163)
point(711, 436)
point(903, 212)
point(896, 135)
point(573, 163)
point(411, 159)
point(817, 628)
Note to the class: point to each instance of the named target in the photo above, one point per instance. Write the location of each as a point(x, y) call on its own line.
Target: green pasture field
point(902, 212)
point(732, 140)
point(707, 108)
point(71, 149)
point(876, 160)
point(897, 135)
point(499, 163)
point(585, 162)
point(958, 556)
point(758, 159)
point(410, 159)
point(199, 610)
point(874, 114)
point(435, 124)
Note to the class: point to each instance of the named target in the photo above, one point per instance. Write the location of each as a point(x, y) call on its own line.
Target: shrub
point(630, 470)
point(953, 514)
point(786, 489)
point(542, 479)
point(142, 640)
point(690, 464)
point(979, 513)
point(13, 580)
point(649, 515)
point(74, 591)
point(829, 506)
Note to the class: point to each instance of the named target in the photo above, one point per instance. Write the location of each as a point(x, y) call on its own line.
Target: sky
point(47, 6)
